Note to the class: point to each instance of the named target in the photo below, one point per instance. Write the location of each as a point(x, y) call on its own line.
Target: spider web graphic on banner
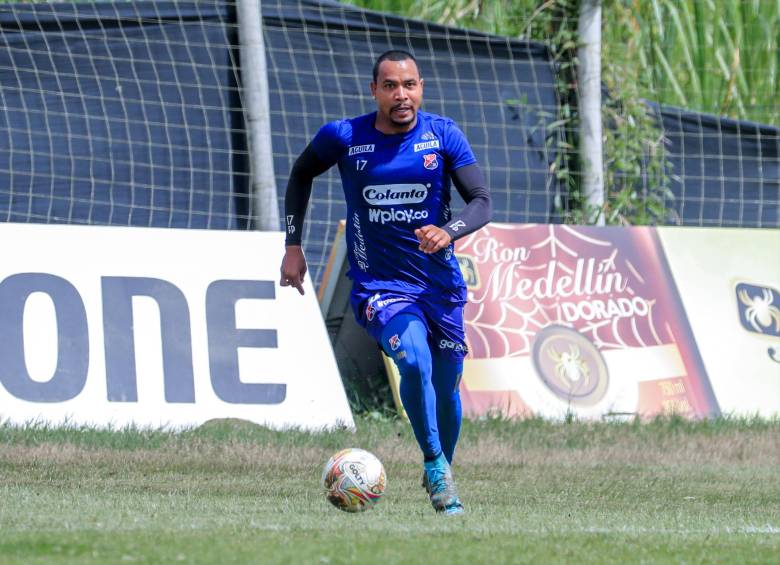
point(618, 315)
point(592, 312)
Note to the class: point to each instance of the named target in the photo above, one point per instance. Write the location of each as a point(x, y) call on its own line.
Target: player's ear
point(372, 86)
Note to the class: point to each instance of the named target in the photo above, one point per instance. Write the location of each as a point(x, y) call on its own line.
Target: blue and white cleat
point(455, 509)
point(438, 482)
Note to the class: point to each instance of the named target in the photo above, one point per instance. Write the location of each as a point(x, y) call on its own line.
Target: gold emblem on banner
point(570, 366)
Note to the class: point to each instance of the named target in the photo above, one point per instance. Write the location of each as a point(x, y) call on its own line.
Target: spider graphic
point(569, 365)
point(760, 311)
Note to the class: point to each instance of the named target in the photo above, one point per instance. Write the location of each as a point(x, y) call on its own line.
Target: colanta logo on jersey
point(391, 194)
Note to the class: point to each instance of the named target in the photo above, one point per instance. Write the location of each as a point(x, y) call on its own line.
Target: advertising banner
point(592, 321)
point(111, 326)
point(729, 283)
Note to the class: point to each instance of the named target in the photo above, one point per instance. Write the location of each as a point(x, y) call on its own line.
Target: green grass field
point(231, 492)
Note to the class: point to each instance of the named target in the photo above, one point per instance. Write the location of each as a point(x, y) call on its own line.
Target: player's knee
point(405, 341)
point(413, 363)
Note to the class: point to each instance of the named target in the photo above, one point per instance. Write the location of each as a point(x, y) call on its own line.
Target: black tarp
point(121, 113)
point(722, 172)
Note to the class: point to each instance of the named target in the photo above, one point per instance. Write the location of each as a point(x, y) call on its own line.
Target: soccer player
point(396, 167)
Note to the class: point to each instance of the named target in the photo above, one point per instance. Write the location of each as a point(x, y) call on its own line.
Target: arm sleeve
point(296, 199)
point(472, 187)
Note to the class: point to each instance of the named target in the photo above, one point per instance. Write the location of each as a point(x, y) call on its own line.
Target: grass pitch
point(231, 492)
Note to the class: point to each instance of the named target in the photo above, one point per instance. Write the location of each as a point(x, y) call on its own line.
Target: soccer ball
point(354, 480)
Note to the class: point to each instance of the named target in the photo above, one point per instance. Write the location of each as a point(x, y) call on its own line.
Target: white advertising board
point(111, 326)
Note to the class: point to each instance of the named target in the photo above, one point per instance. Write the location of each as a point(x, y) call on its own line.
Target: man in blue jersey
point(396, 167)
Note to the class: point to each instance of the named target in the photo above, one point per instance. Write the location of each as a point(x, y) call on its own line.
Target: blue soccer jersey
point(394, 184)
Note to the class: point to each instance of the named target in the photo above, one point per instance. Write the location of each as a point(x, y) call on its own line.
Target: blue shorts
point(442, 318)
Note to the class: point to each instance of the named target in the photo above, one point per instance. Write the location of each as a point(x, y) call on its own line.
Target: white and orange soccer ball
point(354, 480)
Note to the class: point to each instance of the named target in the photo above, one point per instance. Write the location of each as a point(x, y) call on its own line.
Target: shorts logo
point(447, 344)
point(395, 342)
point(370, 312)
point(429, 161)
point(433, 144)
point(355, 149)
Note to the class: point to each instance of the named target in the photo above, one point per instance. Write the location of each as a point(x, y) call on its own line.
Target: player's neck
point(391, 128)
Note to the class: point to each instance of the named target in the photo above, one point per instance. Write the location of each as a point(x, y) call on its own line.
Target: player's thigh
point(405, 339)
point(374, 309)
point(447, 332)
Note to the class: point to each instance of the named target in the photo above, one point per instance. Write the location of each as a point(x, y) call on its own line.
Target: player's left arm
point(470, 183)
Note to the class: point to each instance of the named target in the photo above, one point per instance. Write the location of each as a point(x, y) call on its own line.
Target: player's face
point(398, 92)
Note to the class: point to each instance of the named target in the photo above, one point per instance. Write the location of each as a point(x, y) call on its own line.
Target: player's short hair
point(392, 55)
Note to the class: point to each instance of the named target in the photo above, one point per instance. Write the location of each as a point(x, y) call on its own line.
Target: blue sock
point(446, 382)
point(413, 359)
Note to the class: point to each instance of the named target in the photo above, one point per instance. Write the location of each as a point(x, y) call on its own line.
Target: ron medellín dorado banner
point(578, 320)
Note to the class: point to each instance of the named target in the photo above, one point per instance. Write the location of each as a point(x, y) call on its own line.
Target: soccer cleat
point(439, 484)
point(454, 509)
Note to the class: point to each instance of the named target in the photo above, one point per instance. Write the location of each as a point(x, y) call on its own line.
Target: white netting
point(131, 113)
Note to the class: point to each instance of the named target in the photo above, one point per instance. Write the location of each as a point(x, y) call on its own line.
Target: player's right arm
point(320, 155)
point(296, 200)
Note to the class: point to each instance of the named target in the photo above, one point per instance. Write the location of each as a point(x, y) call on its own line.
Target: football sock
point(446, 382)
point(412, 356)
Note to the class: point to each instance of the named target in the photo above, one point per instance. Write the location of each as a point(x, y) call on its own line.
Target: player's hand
point(293, 268)
point(432, 238)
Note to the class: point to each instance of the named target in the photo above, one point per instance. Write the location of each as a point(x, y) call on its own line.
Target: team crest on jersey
point(430, 161)
point(395, 342)
point(370, 312)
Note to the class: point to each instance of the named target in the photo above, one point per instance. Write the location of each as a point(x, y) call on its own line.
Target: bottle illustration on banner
point(574, 319)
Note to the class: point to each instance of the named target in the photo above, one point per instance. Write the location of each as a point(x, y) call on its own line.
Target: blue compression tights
point(429, 386)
